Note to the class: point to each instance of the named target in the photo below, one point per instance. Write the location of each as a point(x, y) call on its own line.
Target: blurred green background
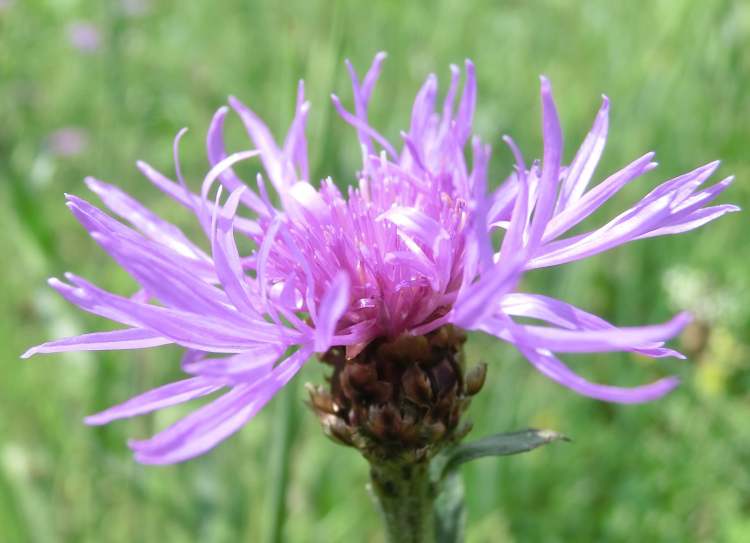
point(78, 100)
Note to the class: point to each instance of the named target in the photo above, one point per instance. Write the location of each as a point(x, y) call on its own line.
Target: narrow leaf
point(500, 445)
point(284, 435)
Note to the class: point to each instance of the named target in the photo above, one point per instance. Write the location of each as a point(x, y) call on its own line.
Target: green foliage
point(450, 510)
point(503, 444)
point(677, 73)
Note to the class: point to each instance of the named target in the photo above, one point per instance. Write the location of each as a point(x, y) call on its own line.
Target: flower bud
point(400, 398)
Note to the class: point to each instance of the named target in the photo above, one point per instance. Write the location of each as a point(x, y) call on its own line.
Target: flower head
point(405, 250)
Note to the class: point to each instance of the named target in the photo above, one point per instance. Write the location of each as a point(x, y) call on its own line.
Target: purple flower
point(68, 141)
point(84, 36)
point(404, 251)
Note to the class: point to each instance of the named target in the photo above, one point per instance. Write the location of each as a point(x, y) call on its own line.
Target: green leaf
point(450, 513)
point(284, 435)
point(499, 445)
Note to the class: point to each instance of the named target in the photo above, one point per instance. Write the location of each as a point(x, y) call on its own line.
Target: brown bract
point(402, 398)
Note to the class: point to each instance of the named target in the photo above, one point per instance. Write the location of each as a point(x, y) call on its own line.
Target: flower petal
point(603, 340)
point(582, 168)
point(270, 154)
point(196, 331)
point(332, 307)
point(295, 143)
point(227, 259)
point(362, 126)
point(566, 315)
point(416, 224)
point(158, 398)
point(584, 206)
point(467, 106)
point(188, 199)
point(216, 153)
point(146, 221)
point(246, 366)
point(549, 181)
point(211, 424)
point(552, 367)
point(692, 221)
point(130, 338)
point(472, 306)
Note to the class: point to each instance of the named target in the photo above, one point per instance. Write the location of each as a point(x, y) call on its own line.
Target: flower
point(404, 252)
point(84, 36)
point(68, 141)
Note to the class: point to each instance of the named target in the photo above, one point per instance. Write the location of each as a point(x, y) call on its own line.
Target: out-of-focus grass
point(677, 73)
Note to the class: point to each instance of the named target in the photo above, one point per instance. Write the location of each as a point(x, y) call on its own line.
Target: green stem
point(406, 499)
point(284, 421)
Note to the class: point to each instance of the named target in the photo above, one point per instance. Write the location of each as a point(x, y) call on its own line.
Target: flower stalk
point(401, 402)
point(424, 501)
point(405, 496)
